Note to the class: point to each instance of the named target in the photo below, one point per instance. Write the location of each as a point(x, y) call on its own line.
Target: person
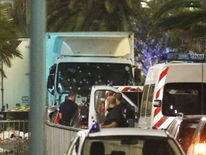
point(119, 100)
point(113, 116)
point(120, 107)
point(84, 113)
point(68, 109)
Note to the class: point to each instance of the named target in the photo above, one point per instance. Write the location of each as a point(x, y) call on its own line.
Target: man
point(119, 101)
point(112, 119)
point(120, 107)
point(68, 109)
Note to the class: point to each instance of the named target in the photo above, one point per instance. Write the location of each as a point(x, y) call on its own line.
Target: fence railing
point(58, 138)
point(14, 137)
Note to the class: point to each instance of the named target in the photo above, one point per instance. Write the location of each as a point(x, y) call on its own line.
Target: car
point(183, 128)
point(198, 145)
point(123, 141)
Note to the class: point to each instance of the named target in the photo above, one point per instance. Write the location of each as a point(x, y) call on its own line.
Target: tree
point(151, 45)
point(21, 16)
point(90, 15)
point(185, 22)
point(8, 43)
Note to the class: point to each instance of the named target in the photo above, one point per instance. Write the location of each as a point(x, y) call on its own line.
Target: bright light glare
point(200, 149)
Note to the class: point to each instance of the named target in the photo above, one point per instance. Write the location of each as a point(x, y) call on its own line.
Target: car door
point(98, 103)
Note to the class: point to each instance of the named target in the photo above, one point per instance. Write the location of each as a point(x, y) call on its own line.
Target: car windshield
point(186, 98)
point(83, 75)
point(126, 145)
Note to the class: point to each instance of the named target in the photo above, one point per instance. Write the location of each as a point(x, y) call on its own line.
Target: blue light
point(95, 128)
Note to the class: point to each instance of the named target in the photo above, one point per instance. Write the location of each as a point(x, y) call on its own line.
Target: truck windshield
point(82, 76)
point(186, 98)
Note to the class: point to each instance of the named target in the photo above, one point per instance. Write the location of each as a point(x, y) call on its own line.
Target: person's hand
point(101, 125)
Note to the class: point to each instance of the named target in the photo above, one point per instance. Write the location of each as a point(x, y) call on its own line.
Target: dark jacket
point(68, 110)
point(115, 115)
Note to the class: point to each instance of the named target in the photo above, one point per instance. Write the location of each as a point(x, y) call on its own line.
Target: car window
point(101, 103)
point(144, 100)
point(150, 99)
point(126, 145)
point(182, 98)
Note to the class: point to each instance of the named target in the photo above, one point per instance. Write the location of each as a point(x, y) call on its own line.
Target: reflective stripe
point(166, 123)
point(164, 72)
point(160, 122)
point(129, 88)
point(159, 119)
point(158, 116)
point(157, 110)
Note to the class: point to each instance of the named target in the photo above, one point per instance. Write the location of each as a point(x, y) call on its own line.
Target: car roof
point(129, 132)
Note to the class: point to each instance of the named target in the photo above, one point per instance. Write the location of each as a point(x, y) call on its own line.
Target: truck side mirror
point(157, 103)
point(50, 82)
point(51, 77)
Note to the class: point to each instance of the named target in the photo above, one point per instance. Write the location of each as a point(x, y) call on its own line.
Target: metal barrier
point(58, 138)
point(14, 137)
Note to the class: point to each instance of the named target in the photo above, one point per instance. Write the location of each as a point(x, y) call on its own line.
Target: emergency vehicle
point(123, 141)
point(172, 89)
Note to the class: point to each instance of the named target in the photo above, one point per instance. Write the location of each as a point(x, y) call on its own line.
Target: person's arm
point(60, 115)
point(111, 125)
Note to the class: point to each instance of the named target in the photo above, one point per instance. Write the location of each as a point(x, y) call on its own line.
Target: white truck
point(84, 59)
point(15, 88)
point(172, 89)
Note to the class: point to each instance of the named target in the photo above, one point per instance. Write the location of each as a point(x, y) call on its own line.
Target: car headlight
point(200, 149)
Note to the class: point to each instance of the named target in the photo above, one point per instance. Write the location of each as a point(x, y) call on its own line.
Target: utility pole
point(38, 77)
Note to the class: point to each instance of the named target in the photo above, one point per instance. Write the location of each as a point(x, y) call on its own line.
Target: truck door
point(98, 104)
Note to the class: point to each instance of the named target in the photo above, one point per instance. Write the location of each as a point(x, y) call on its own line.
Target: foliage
point(151, 44)
point(21, 15)
point(90, 15)
point(8, 43)
point(185, 21)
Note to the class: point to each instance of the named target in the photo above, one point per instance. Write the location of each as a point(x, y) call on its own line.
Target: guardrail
point(14, 137)
point(58, 138)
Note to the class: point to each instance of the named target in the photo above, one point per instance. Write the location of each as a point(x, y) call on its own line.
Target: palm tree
point(21, 15)
point(90, 15)
point(184, 20)
point(8, 43)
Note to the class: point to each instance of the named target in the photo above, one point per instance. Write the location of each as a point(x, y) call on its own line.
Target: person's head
point(72, 95)
point(111, 102)
point(118, 98)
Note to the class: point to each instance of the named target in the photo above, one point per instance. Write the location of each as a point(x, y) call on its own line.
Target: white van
point(172, 89)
